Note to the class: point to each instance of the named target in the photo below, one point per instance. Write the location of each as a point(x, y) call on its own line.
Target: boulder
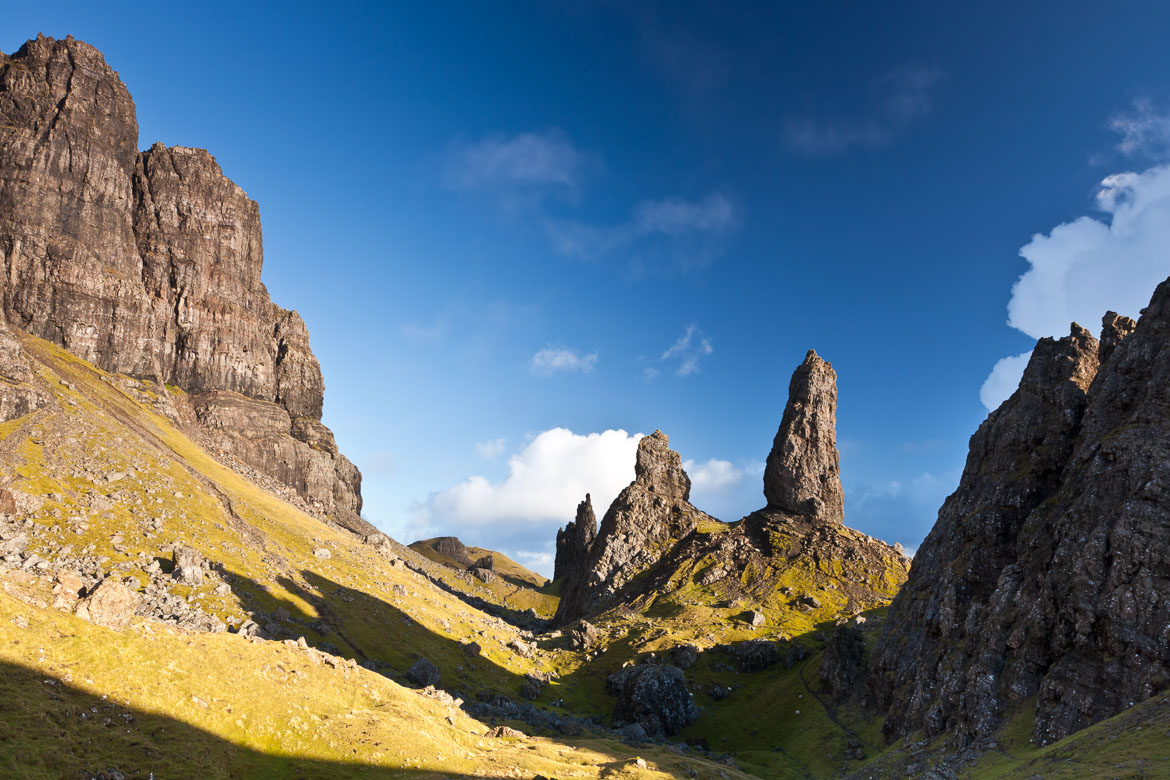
point(423, 673)
point(189, 565)
point(653, 696)
point(110, 604)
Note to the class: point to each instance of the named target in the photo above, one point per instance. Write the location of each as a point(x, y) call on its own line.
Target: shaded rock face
point(803, 471)
point(842, 668)
point(574, 543)
point(149, 264)
point(654, 697)
point(1047, 572)
point(642, 524)
point(17, 397)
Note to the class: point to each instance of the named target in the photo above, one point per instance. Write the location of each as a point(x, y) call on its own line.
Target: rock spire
point(803, 471)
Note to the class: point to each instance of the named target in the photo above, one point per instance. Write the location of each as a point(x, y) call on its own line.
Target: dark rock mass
point(1047, 575)
point(655, 697)
point(803, 471)
point(574, 542)
point(642, 524)
point(148, 264)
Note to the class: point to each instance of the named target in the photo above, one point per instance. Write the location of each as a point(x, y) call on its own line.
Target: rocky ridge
point(148, 264)
point(1045, 578)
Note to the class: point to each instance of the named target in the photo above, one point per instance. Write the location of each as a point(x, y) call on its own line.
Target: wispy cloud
point(898, 98)
point(488, 450)
point(1144, 130)
point(673, 233)
point(519, 169)
point(551, 360)
point(423, 332)
point(687, 351)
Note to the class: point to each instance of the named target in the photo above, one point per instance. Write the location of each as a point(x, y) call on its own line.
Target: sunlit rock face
point(148, 264)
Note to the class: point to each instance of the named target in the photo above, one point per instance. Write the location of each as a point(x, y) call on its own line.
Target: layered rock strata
point(149, 264)
point(574, 542)
point(1047, 575)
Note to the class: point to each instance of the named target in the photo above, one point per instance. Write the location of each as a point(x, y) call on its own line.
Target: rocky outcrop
point(653, 696)
point(149, 264)
point(1046, 574)
point(842, 668)
point(803, 472)
point(574, 543)
point(642, 524)
point(17, 396)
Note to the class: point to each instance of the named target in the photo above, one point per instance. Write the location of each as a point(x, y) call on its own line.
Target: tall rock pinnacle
point(574, 542)
point(803, 473)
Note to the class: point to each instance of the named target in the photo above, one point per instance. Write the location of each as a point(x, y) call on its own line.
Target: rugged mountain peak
point(149, 264)
point(659, 469)
point(1041, 579)
point(803, 472)
point(575, 540)
point(642, 523)
point(1114, 328)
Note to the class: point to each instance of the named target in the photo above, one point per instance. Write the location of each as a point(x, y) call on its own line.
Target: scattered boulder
point(110, 604)
point(653, 696)
point(583, 635)
point(719, 692)
point(755, 655)
point(189, 565)
point(503, 732)
point(472, 650)
point(685, 656)
point(323, 553)
point(487, 562)
point(532, 688)
point(486, 576)
point(522, 648)
point(423, 673)
point(754, 618)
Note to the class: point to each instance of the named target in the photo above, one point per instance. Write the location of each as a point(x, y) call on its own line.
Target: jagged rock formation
point(148, 264)
point(574, 542)
point(17, 396)
point(1047, 575)
point(644, 522)
point(803, 471)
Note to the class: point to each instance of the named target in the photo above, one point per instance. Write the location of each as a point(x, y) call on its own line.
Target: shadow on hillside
point(49, 728)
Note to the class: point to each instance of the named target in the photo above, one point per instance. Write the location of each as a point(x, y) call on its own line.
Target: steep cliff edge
point(148, 264)
point(1047, 575)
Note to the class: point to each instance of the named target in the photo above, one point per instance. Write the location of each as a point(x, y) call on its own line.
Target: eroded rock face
point(149, 264)
point(803, 471)
point(643, 523)
point(574, 543)
point(17, 397)
point(1046, 574)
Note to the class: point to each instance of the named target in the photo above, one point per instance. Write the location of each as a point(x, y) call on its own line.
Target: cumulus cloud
point(671, 233)
point(898, 98)
point(519, 515)
point(490, 449)
point(527, 167)
point(1081, 269)
point(686, 352)
point(551, 360)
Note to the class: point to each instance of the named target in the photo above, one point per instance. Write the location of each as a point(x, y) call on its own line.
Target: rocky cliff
point(1046, 579)
point(148, 264)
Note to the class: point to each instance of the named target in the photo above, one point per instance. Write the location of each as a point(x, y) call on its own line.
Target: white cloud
point(670, 233)
point(490, 449)
point(1083, 268)
point(897, 98)
point(520, 514)
point(550, 360)
point(1003, 380)
point(691, 347)
point(528, 166)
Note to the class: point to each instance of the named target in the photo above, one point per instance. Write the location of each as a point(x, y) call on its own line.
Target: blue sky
point(514, 227)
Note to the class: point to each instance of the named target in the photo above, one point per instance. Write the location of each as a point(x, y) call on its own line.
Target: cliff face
point(148, 264)
point(1047, 575)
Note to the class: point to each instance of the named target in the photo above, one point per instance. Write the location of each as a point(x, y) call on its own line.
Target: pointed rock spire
point(1114, 328)
point(575, 540)
point(659, 469)
point(803, 472)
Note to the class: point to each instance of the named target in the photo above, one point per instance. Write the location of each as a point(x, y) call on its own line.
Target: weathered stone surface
point(1046, 574)
point(803, 472)
point(423, 673)
point(574, 542)
point(642, 524)
point(583, 635)
point(149, 264)
point(110, 604)
point(842, 668)
point(1114, 329)
point(653, 696)
point(17, 396)
point(189, 565)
